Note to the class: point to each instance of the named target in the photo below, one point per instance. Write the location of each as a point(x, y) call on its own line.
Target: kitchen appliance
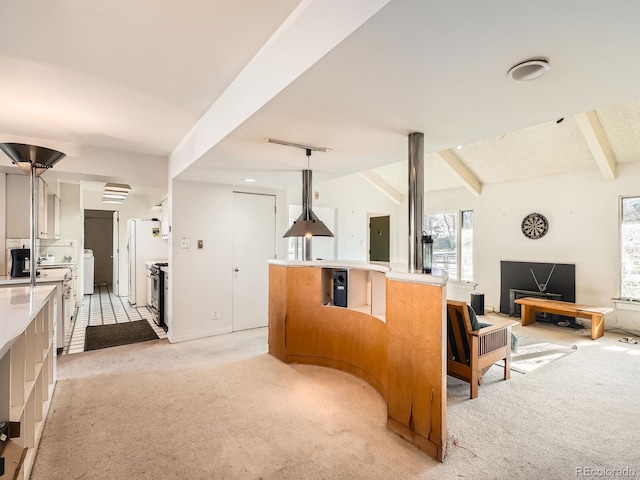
point(143, 243)
point(156, 304)
point(20, 262)
point(89, 271)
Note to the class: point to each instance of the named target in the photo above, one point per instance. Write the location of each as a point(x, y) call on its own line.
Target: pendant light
point(307, 224)
point(32, 160)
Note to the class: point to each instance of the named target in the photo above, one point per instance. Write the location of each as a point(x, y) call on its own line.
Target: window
point(466, 247)
point(630, 248)
point(452, 246)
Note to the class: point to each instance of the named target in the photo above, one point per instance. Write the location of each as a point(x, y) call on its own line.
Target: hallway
point(103, 308)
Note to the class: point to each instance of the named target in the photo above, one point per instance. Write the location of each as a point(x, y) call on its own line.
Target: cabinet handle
point(235, 269)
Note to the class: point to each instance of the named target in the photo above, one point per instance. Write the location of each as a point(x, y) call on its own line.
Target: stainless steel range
point(156, 304)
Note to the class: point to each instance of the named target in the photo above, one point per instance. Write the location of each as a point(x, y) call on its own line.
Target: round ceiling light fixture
point(528, 70)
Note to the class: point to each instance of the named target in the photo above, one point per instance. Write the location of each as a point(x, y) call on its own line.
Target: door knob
point(235, 269)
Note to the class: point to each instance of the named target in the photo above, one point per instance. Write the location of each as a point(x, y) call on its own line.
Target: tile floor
point(103, 308)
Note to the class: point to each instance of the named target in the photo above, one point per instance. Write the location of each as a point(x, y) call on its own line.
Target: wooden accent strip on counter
point(417, 365)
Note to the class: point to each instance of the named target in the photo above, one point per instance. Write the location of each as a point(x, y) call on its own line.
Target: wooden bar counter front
point(392, 334)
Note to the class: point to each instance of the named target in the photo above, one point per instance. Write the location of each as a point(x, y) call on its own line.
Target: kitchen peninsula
point(390, 331)
point(62, 279)
point(27, 371)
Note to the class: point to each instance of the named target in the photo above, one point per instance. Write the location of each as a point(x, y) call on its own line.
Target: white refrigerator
point(144, 242)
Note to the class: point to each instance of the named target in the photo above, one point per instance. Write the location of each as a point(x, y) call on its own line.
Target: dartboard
point(534, 226)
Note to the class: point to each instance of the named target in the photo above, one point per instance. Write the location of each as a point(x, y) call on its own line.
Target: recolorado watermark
point(606, 472)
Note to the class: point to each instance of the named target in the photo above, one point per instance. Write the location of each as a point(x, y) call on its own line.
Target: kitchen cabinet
point(165, 227)
point(27, 372)
point(18, 207)
point(53, 216)
point(41, 227)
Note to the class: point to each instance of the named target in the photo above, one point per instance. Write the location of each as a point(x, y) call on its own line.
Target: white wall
point(201, 279)
point(582, 210)
point(135, 206)
point(3, 209)
point(355, 198)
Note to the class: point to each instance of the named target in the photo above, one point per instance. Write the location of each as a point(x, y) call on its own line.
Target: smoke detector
point(529, 70)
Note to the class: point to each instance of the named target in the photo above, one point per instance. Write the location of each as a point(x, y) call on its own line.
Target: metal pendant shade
point(307, 224)
point(32, 160)
point(29, 157)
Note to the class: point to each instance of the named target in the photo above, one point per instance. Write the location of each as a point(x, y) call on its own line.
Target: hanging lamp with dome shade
point(308, 224)
point(33, 160)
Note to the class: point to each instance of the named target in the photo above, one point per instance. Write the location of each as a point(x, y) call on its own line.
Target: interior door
point(98, 236)
point(379, 245)
point(254, 242)
point(115, 256)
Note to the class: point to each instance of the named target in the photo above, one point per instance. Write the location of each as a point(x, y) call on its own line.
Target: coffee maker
point(20, 258)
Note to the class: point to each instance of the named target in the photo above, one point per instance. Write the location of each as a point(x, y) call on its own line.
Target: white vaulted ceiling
point(145, 80)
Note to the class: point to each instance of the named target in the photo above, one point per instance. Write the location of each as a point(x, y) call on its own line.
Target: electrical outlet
point(214, 315)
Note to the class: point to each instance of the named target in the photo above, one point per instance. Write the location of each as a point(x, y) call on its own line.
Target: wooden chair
point(471, 352)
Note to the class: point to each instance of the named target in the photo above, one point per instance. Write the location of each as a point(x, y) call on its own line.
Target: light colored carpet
point(222, 408)
point(533, 353)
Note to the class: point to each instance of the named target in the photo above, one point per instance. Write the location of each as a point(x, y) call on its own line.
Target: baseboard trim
point(195, 336)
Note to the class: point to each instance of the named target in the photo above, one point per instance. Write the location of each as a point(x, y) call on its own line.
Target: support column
point(307, 178)
point(33, 206)
point(415, 200)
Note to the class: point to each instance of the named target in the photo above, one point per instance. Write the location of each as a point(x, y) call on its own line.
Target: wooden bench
point(596, 314)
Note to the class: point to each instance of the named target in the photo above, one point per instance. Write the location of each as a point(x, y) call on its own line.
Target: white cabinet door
point(18, 207)
point(53, 216)
point(41, 226)
point(18, 201)
point(254, 242)
point(164, 220)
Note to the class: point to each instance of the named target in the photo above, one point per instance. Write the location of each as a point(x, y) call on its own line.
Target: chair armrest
point(493, 328)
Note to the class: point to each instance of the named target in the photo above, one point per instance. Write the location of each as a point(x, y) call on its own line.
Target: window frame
point(621, 200)
point(459, 217)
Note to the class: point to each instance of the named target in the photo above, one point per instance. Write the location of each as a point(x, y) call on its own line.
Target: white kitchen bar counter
point(27, 371)
point(393, 271)
point(18, 307)
point(48, 276)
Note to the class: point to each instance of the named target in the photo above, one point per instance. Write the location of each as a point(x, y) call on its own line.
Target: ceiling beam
point(312, 30)
point(460, 170)
point(382, 185)
point(597, 142)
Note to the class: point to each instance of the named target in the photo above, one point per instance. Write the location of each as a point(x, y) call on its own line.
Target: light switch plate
point(184, 242)
point(200, 244)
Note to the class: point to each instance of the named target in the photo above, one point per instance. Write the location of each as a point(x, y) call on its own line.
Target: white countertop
point(18, 306)
point(393, 271)
point(47, 275)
